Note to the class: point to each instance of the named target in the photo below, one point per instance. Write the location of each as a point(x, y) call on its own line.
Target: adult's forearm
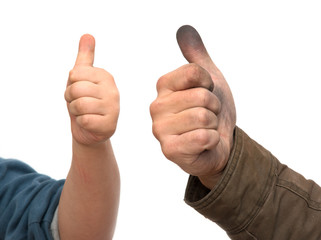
point(89, 201)
point(258, 197)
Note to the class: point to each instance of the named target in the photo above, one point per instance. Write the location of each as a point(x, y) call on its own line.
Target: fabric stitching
point(299, 192)
point(251, 235)
point(260, 203)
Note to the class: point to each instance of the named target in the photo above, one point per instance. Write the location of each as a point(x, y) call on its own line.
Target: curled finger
point(87, 105)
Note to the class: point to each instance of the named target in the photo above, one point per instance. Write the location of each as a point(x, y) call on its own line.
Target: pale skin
point(194, 114)
point(89, 202)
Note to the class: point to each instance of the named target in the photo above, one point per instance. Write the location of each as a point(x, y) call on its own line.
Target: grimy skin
point(196, 133)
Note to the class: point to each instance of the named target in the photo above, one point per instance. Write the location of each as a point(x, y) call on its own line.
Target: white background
point(269, 51)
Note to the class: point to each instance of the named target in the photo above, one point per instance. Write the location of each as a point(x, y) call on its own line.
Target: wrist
point(90, 146)
point(84, 154)
point(91, 162)
point(210, 181)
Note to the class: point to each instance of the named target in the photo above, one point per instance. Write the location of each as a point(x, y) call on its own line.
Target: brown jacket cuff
point(242, 190)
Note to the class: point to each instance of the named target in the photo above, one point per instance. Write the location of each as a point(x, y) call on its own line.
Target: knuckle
point(103, 72)
point(193, 73)
point(152, 109)
point(73, 91)
point(110, 127)
point(203, 117)
point(73, 74)
point(203, 137)
point(156, 128)
point(168, 150)
point(85, 121)
point(161, 83)
point(204, 97)
point(155, 107)
point(67, 95)
point(217, 105)
point(197, 76)
point(80, 105)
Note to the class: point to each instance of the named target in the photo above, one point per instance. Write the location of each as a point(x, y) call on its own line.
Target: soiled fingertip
point(188, 35)
point(191, 44)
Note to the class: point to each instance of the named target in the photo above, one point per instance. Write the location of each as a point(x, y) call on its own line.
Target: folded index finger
point(186, 77)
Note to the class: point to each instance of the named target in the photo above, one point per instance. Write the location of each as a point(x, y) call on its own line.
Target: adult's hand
point(194, 114)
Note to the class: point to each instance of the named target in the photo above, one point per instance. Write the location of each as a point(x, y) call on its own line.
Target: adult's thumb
point(192, 47)
point(86, 51)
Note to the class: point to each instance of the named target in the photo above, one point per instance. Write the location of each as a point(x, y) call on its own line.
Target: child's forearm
point(89, 202)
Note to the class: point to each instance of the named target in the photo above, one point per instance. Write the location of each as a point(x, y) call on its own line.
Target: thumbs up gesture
point(92, 98)
point(194, 114)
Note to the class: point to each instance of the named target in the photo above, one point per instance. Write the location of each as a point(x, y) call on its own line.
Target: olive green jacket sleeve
point(258, 197)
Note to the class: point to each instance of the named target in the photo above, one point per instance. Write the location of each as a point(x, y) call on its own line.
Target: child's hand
point(92, 98)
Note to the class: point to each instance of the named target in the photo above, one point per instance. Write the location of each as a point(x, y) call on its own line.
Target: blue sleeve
point(28, 201)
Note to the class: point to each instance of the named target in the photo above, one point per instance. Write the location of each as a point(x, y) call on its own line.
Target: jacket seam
point(250, 234)
point(299, 192)
point(261, 201)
